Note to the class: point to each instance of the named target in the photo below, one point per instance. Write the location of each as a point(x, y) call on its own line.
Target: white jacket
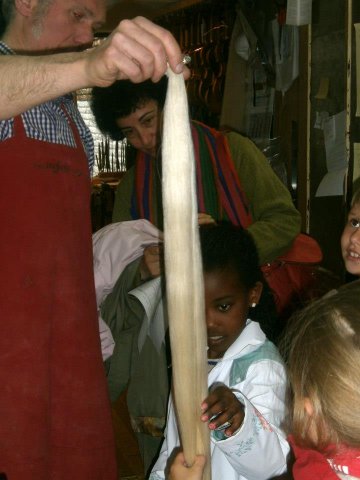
point(253, 368)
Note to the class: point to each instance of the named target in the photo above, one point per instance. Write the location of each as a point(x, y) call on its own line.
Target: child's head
point(323, 349)
point(350, 238)
point(232, 280)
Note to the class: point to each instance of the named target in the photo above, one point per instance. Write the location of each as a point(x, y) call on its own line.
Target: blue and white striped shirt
point(47, 122)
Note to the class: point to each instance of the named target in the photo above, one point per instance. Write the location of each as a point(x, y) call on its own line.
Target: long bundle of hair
point(184, 277)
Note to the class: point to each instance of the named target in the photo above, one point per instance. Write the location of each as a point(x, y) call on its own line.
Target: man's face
point(66, 24)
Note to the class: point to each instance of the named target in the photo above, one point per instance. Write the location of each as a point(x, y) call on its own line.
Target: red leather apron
point(55, 418)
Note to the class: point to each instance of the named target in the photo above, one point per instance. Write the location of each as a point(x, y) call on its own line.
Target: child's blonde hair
point(323, 351)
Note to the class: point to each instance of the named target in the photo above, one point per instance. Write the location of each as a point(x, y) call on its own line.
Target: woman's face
point(350, 241)
point(142, 127)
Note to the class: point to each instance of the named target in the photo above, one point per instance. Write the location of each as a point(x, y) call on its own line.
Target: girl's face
point(350, 241)
point(226, 308)
point(142, 127)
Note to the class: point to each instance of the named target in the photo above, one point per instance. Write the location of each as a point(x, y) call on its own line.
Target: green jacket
point(142, 372)
point(276, 222)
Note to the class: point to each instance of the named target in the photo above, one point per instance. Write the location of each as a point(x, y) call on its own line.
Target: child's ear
point(255, 294)
point(308, 406)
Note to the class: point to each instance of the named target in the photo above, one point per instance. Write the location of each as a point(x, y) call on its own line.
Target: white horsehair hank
point(184, 277)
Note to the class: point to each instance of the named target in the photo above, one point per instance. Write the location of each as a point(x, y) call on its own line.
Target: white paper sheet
point(320, 119)
point(357, 46)
point(332, 184)
point(336, 161)
point(298, 12)
point(286, 48)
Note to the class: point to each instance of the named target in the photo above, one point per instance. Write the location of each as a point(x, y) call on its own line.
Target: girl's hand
point(151, 262)
point(223, 410)
point(205, 219)
point(180, 471)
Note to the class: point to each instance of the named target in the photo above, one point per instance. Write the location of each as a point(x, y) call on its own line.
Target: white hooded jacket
point(253, 369)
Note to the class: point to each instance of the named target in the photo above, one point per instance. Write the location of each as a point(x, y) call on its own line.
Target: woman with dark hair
point(234, 180)
point(122, 99)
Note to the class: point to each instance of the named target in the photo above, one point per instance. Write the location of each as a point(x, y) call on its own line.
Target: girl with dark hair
point(246, 403)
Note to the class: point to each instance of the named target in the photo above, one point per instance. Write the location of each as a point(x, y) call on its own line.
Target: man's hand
point(136, 50)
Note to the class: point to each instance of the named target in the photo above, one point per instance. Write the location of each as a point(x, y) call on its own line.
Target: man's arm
point(26, 81)
point(136, 50)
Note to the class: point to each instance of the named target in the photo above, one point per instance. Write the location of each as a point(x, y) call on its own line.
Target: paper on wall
point(286, 49)
point(332, 184)
point(320, 119)
point(298, 12)
point(357, 47)
point(356, 169)
point(336, 161)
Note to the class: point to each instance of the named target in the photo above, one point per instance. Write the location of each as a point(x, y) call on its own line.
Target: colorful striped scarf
point(220, 194)
point(219, 191)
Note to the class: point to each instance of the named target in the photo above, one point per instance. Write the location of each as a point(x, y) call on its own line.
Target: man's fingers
point(136, 50)
point(130, 58)
point(149, 46)
point(167, 50)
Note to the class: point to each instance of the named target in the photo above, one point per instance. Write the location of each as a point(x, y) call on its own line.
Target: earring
point(253, 305)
